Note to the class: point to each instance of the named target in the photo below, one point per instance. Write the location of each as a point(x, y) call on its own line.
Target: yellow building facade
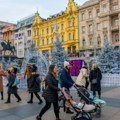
point(67, 27)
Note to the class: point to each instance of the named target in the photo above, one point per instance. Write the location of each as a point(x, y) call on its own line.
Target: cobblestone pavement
point(24, 111)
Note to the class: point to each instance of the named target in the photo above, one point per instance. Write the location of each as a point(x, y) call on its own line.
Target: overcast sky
point(14, 10)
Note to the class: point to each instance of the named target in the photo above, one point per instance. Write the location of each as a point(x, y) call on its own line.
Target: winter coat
point(81, 79)
point(12, 89)
point(93, 75)
point(50, 93)
point(66, 80)
point(1, 80)
point(34, 83)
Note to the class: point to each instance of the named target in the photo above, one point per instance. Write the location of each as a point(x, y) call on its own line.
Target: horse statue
point(7, 46)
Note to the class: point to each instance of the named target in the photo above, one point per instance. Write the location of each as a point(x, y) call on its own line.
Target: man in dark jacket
point(66, 80)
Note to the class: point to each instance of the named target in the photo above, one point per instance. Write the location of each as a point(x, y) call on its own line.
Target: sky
point(14, 10)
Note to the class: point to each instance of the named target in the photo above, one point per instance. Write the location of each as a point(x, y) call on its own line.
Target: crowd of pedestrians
point(50, 93)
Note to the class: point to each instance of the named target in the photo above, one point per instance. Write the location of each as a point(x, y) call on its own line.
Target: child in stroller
point(88, 98)
point(82, 110)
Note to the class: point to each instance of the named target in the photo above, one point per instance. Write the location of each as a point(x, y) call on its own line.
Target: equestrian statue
point(7, 46)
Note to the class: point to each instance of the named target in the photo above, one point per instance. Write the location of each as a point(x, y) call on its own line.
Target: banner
point(76, 66)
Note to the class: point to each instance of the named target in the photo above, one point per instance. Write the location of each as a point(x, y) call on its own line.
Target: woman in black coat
point(95, 73)
point(34, 84)
point(50, 93)
point(11, 88)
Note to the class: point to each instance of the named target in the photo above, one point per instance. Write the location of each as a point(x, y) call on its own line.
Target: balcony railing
point(115, 27)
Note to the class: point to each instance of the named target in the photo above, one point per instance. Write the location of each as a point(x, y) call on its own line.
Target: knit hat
point(66, 63)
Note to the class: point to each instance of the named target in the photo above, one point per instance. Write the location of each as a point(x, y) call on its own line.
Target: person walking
point(50, 93)
point(82, 79)
point(66, 81)
point(27, 74)
point(2, 73)
point(12, 89)
point(95, 80)
point(34, 85)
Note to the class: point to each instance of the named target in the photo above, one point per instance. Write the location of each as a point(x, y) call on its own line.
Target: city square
point(65, 53)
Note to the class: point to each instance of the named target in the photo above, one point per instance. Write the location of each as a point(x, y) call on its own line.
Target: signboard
point(76, 66)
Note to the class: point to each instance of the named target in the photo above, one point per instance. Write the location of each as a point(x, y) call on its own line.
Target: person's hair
point(94, 66)
point(51, 68)
point(1, 66)
point(85, 66)
point(34, 68)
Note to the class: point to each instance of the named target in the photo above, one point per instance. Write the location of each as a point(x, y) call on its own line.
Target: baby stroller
point(82, 110)
point(88, 98)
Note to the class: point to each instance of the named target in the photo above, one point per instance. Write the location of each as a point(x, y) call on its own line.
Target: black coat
point(34, 83)
point(11, 80)
point(50, 93)
point(93, 75)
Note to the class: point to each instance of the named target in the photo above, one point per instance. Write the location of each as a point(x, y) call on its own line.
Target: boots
point(58, 119)
point(38, 118)
point(2, 96)
point(30, 101)
point(40, 102)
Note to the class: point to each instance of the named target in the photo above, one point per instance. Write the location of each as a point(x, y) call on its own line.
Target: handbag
point(94, 81)
point(16, 82)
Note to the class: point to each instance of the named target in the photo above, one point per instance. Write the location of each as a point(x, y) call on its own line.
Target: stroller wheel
point(73, 118)
point(98, 113)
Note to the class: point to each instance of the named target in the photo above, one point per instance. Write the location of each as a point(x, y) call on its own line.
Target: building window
point(98, 26)
point(69, 23)
point(116, 38)
point(83, 16)
point(52, 29)
point(83, 43)
point(115, 22)
point(73, 36)
point(43, 42)
point(104, 24)
point(47, 30)
point(69, 50)
point(99, 41)
point(52, 40)
point(91, 42)
point(74, 49)
point(73, 24)
point(90, 14)
point(47, 41)
point(90, 28)
point(62, 38)
point(69, 36)
point(62, 27)
point(104, 8)
point(83, 29)
point(29, 33)
point(42, 31)
point(114, 4)
point(97, 12)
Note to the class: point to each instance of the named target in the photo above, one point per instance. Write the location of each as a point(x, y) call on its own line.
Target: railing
point(111, 80)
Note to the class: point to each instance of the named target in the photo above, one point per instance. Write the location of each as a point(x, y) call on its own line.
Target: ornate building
point(67, 28)
point(97, 19)
point(23, 35)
